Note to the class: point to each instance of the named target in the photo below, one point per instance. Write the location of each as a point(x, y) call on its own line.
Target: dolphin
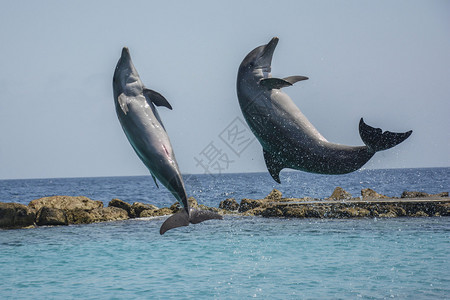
point(287, 137)
point(135, 108)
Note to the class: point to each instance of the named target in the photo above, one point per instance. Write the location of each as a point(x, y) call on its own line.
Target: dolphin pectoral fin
point(179, 219)
point(377, 140)
point(156, 98)
point(122, 99)
point(198, 216)
point(154, 179)
point(274, 166)
point(278, 83)
point(274, 83)
point(294, 79)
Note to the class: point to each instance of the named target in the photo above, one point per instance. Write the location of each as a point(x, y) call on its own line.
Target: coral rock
point(51, 216)
point(229, 204)
point(123, 205)
point(248, 204)
point(102, 214)
point(15, 215)
point(274, 195)
point(139, 207)
point(371, 194)
point(340, 194)
point(156, 212)
point(192, 203)
point(65, 203)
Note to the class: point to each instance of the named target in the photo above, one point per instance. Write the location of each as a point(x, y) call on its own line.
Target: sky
point(386, 61)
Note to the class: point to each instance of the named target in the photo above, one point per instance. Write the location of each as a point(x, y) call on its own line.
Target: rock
point(163, 212)
point(139, 207)
point(270, 212)
point(80, 210)
point(192, 202)
point(15, 215)
point(176, 206)
point(399, 211)
point(274, 195)
point(213, 209)
point(248, 204)
point(294, 212)
point(257, 211)
point(353, 212)
point(314, 212)
point(304, 199)
point(387, 214)
point(148, 213)
point(443, 194)
point(102, 214)
point(414, 194)
point(340, 194)
point(420, 214)
point(371, 194)
point(304, 211)
point(156, 212)
point(51, 216)
point(229, 204)
point(65, 203)
point(123, 205)
point(444, 209)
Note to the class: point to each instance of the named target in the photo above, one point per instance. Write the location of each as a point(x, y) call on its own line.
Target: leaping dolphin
point(288, 139)
point(135, 108)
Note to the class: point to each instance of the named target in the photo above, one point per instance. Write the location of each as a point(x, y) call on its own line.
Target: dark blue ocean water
point(211, 189)
point(238, 257)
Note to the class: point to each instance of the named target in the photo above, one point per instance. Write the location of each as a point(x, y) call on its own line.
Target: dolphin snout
point(274, 40)
point(125, 51)
point(265, 56)
point(270, 47)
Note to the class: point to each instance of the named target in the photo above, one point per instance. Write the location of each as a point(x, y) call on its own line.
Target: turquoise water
point(238, 257)
point(235, 258)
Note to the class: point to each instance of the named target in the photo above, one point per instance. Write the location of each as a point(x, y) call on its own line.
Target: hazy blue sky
point(386, 61)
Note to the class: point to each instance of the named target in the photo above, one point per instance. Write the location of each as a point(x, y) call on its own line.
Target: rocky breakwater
point(342, 204)
point(66, 210)
point(57, 210)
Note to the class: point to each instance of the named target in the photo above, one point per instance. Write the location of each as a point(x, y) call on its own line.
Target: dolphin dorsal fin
point(156, 98)
point(122, 99)
point(278, 83)
point(274, 166)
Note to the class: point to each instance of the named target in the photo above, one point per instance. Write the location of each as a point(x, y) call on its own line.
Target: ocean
point(238, 257)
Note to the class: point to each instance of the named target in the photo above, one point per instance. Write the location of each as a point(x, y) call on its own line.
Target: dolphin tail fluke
point(179, 219)
point(198, 216)
point(274, 166)
point(182, 218)
point(377, 140)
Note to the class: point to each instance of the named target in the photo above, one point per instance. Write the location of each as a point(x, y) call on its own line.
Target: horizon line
point(213, 174)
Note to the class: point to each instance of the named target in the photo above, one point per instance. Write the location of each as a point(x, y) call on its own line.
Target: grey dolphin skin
point(288, 139)
point(135, 107)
